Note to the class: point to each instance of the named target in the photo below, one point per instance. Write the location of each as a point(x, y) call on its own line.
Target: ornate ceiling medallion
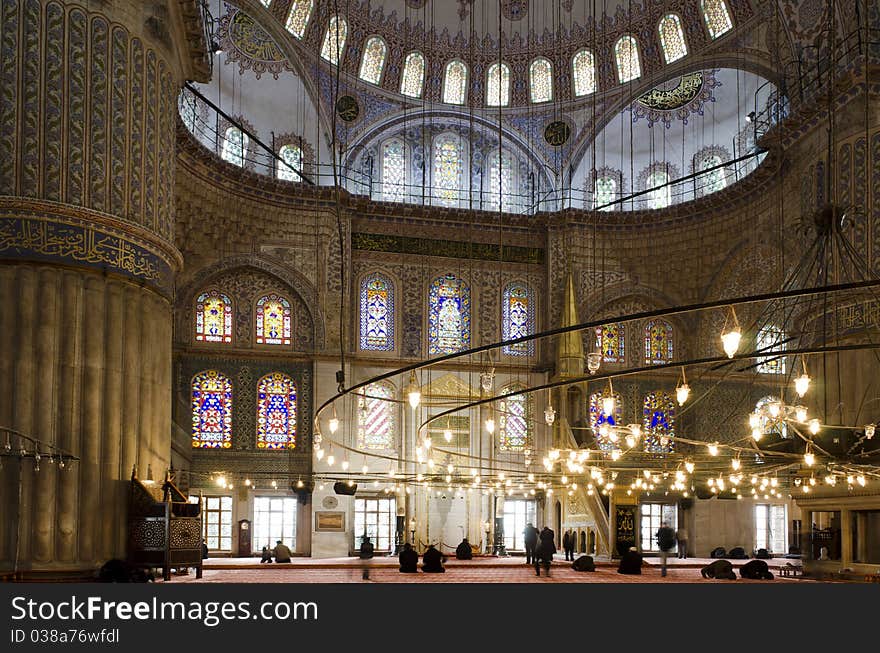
point(347, 108)
point(514, 9)
point(557, 133)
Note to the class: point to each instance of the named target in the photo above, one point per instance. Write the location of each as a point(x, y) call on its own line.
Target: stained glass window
point(606, 192)
point(213, 317)
point(514, 421)
point(235, 144)
point(500, 181)
point(611, 341)
point(292, 155)
point(455, 82)
point(373, 61)
point(498, 85)
point(334, 40)
point(273, 320)
point(770, 338)
point(377, 313)
point(298, 17)
point(717, 17)
point(393, 170)
point(447, 182)
point(767, 424)
point(541, 80)
point(584, 69)
point(658, 342)
point(658, 422)
point(413, 79)
point(603, 424)
point(449, 315)
point(660, 192)
point(211, 411)
point(626, 52)
point(672, 38)
point(276, 412)
point(714, 180)
point(517, 319)
point(376, 417)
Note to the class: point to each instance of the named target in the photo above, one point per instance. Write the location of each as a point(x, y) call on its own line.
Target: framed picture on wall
point(330, 520)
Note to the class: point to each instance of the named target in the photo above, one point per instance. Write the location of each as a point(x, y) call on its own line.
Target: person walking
point(681, 536)
point(530, 538)
point(666, 541)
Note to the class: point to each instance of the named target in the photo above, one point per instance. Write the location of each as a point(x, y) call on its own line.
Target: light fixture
point(447, 435)
point(319, 454)
point(814, 426)
point(809, 458)
point(247, 482)
point(802, 383)
point(549, 411)
point(608, 405)
point(730, 338)
point(221, 480)
point(757, 434)
point(427, 442)
point(774, 408)
point(365, 469)
point(869, 430)
point(683, 389)
point(750, 116)
point(333, 424)
point(413, 391)
point(344, 465)
point(713, 449)
point(754, 420)
point(490, 425)
point(486, 380)
point(735, 464)
point(299, 483)
point(594, 360)
point(800, 413)
point(689, 466)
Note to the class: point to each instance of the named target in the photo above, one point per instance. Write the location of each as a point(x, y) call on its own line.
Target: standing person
point(544, 552)
point(366, 553)
point(681, 536)
point(665, 540)
point(568, 542)
point(530, 537)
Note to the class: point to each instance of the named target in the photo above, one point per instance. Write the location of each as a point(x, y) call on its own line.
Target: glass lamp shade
point(814, 426)
point(594, 360)
point(801, 385)
point(549, 415)
point(681, 393)
point(689, 466)
point(490, 425)
point(800, 413)
point(486, 381)
point(869, 430)
point(713, 449)
point(333, 424)
point(730, 342)
point(447, 435)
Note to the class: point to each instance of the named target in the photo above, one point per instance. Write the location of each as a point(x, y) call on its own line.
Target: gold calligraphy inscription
point(859, 316)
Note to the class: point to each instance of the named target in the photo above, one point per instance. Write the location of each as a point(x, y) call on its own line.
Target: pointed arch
point(298, 17)
point(602, 424)
point(541, 80)
point(517, 318)
point(626, 55)
point(211, 411)
point(449, 315)
point(276, 412)
point(377, 313)
point(515, 432)
point(412, 82)
point(455, 82)
point(213, 317)
point(334, 40)
point(373, 60)
point(583, 67)
point(659, 345)
point(498, 85)
point(272, 320)
point(377, 417)
point(672, 38)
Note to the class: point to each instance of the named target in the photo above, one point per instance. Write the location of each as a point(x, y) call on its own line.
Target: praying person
point(432, 561)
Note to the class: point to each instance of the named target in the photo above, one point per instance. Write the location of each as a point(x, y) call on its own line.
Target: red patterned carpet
point(480, 570)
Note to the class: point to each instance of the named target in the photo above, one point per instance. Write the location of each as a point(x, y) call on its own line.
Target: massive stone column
point(87, 262)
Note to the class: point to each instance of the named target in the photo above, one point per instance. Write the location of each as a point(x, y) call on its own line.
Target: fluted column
point(87, 263)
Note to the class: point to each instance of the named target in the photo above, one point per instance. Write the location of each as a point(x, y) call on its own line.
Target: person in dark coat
point(666, 542)
point(568, 541)
point(530, 539)
point(463, 551)
point(409, 560)
point(718, 569)
point(630, 562)
point(584, 563)
point(267, 555)
point(756, 570)
point(544, 551)
point(432, 561)
point(366, 553)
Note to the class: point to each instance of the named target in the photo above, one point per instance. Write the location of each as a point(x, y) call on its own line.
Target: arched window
point(499, 184)
point(658, 342)
point(606, 191)
point(373, 60)
point(715, 179)
point(447, 170)
point(292, 155)
point(517, 318)
point(717, 17)
point(413, 79)
point(213, 317)
point(273, 320)
point(455, 82)
point(771, 338)
point(377, 313)
point(541, 80)
point(498, 85)
point(276, 412)
point(298, 17)
point(658, 422)
point(603, 424)
point(393, 170)
point(211, 411)
point(515, 421)
point(768, 424)
point(334, 40)
point(672, 38)
point(584, 73)
point(449, 315)
point(235, 144)
point(376, 417)
point(611, 341)
point(626, 52)
point(660, 192)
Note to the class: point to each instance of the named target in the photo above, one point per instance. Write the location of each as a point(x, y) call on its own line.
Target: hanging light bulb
point(413, 391)
point(800, 413)
point(869, 430)
point(319, 454)
point(221, 480)
point(330, 460)
point(774, 408)
point(554, 454)
point(814, 426)
point(689, 466)
point(447, 435)
point(344, 465)
point(247, 482)
point(549, 415)
point(365, 469)
point(486, 380)
point(490, 425)
point(427, 442)
point(809, 458)
point(735, 464)
point(757, 434)
point(594, 360)
point(730, 341)
point(275, 484)
point(713, 449)
point(754, 420)
point(861, 480)
point(683, 389)
point(333, 424)
point(300, 483)
point(802, 383)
